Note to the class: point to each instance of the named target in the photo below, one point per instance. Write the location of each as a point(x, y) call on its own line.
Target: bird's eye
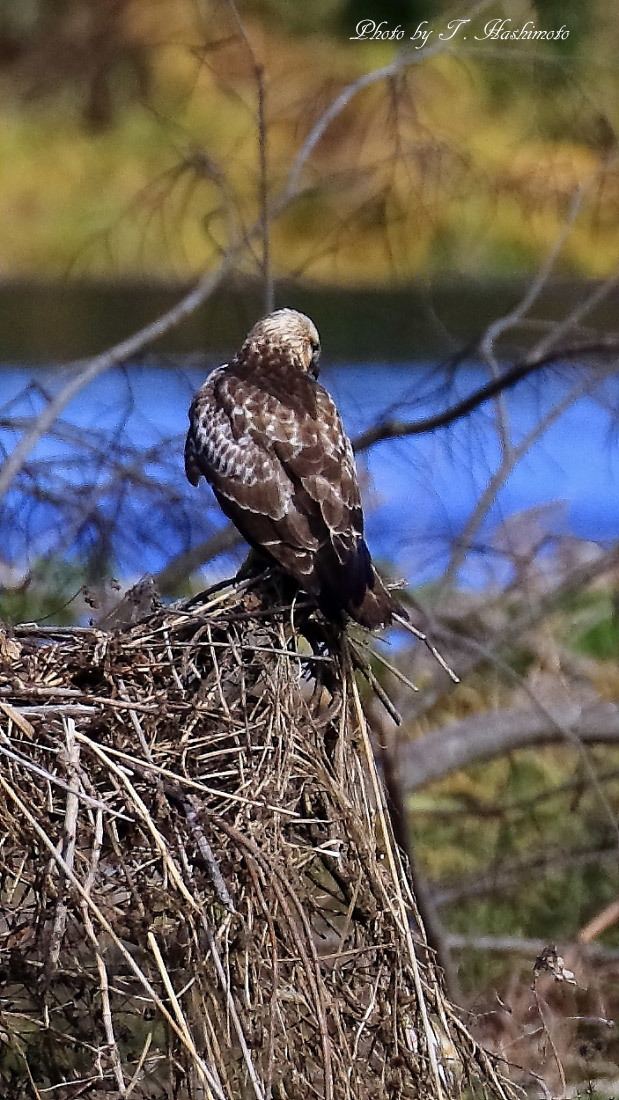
point(313, 365)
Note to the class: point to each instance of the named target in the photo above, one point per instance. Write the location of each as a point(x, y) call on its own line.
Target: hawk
point(269, 440)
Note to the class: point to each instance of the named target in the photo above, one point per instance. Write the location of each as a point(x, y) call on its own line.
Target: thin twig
point(37, 769)
point(68, 840)
point(419, 634)
point(104, 984)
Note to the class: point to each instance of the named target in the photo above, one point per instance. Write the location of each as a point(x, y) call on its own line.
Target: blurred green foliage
point(51, 594)
point(601, 639)
point(531, 823)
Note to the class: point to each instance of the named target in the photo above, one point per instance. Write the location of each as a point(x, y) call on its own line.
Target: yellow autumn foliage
point(427, 173)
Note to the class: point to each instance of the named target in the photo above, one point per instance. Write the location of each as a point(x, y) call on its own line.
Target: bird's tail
point(377, 608)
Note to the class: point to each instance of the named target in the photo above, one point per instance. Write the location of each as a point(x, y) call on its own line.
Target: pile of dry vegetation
point(199, 893)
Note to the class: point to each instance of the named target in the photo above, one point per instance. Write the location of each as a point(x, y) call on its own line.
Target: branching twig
point(400, 429)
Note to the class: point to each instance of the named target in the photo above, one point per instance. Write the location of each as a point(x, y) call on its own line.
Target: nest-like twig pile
point(199, 895)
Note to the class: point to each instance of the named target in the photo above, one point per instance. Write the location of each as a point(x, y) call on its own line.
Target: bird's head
point(289, 333)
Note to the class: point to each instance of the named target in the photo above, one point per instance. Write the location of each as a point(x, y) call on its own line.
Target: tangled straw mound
point(199, 895)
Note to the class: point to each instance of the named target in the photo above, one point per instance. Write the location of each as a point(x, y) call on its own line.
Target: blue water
point(418, 492)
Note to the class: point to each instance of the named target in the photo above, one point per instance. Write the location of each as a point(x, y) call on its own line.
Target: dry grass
point(199, 893)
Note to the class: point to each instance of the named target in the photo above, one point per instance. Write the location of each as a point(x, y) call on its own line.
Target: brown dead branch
point(600, 922)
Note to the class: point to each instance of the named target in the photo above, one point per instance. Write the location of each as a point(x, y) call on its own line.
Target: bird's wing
point(283, 470)
point(221, 448)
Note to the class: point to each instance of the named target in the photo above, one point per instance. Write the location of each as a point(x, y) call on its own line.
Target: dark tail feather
point(377, 608)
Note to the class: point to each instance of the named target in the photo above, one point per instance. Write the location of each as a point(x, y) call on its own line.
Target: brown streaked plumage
point(269, 440)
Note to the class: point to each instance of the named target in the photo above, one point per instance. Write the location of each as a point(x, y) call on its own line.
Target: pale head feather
point(289, 331)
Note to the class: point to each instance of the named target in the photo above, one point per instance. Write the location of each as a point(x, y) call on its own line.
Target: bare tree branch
point(186, 563)
point(510, 874)
point(263, 187)
point(600, 922)
point(85, 371)
point(485, 736)
point(405, 59)
point(529, 948)
point(397, 429)
point(520, 311)
point(574, 580)
point(511, 457)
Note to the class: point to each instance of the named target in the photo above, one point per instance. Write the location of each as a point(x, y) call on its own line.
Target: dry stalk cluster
point(199, 893)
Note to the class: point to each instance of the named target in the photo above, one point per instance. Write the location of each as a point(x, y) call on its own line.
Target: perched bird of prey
point(269, 440)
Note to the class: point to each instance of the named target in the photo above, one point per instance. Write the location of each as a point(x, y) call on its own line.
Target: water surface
point(419, 492)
